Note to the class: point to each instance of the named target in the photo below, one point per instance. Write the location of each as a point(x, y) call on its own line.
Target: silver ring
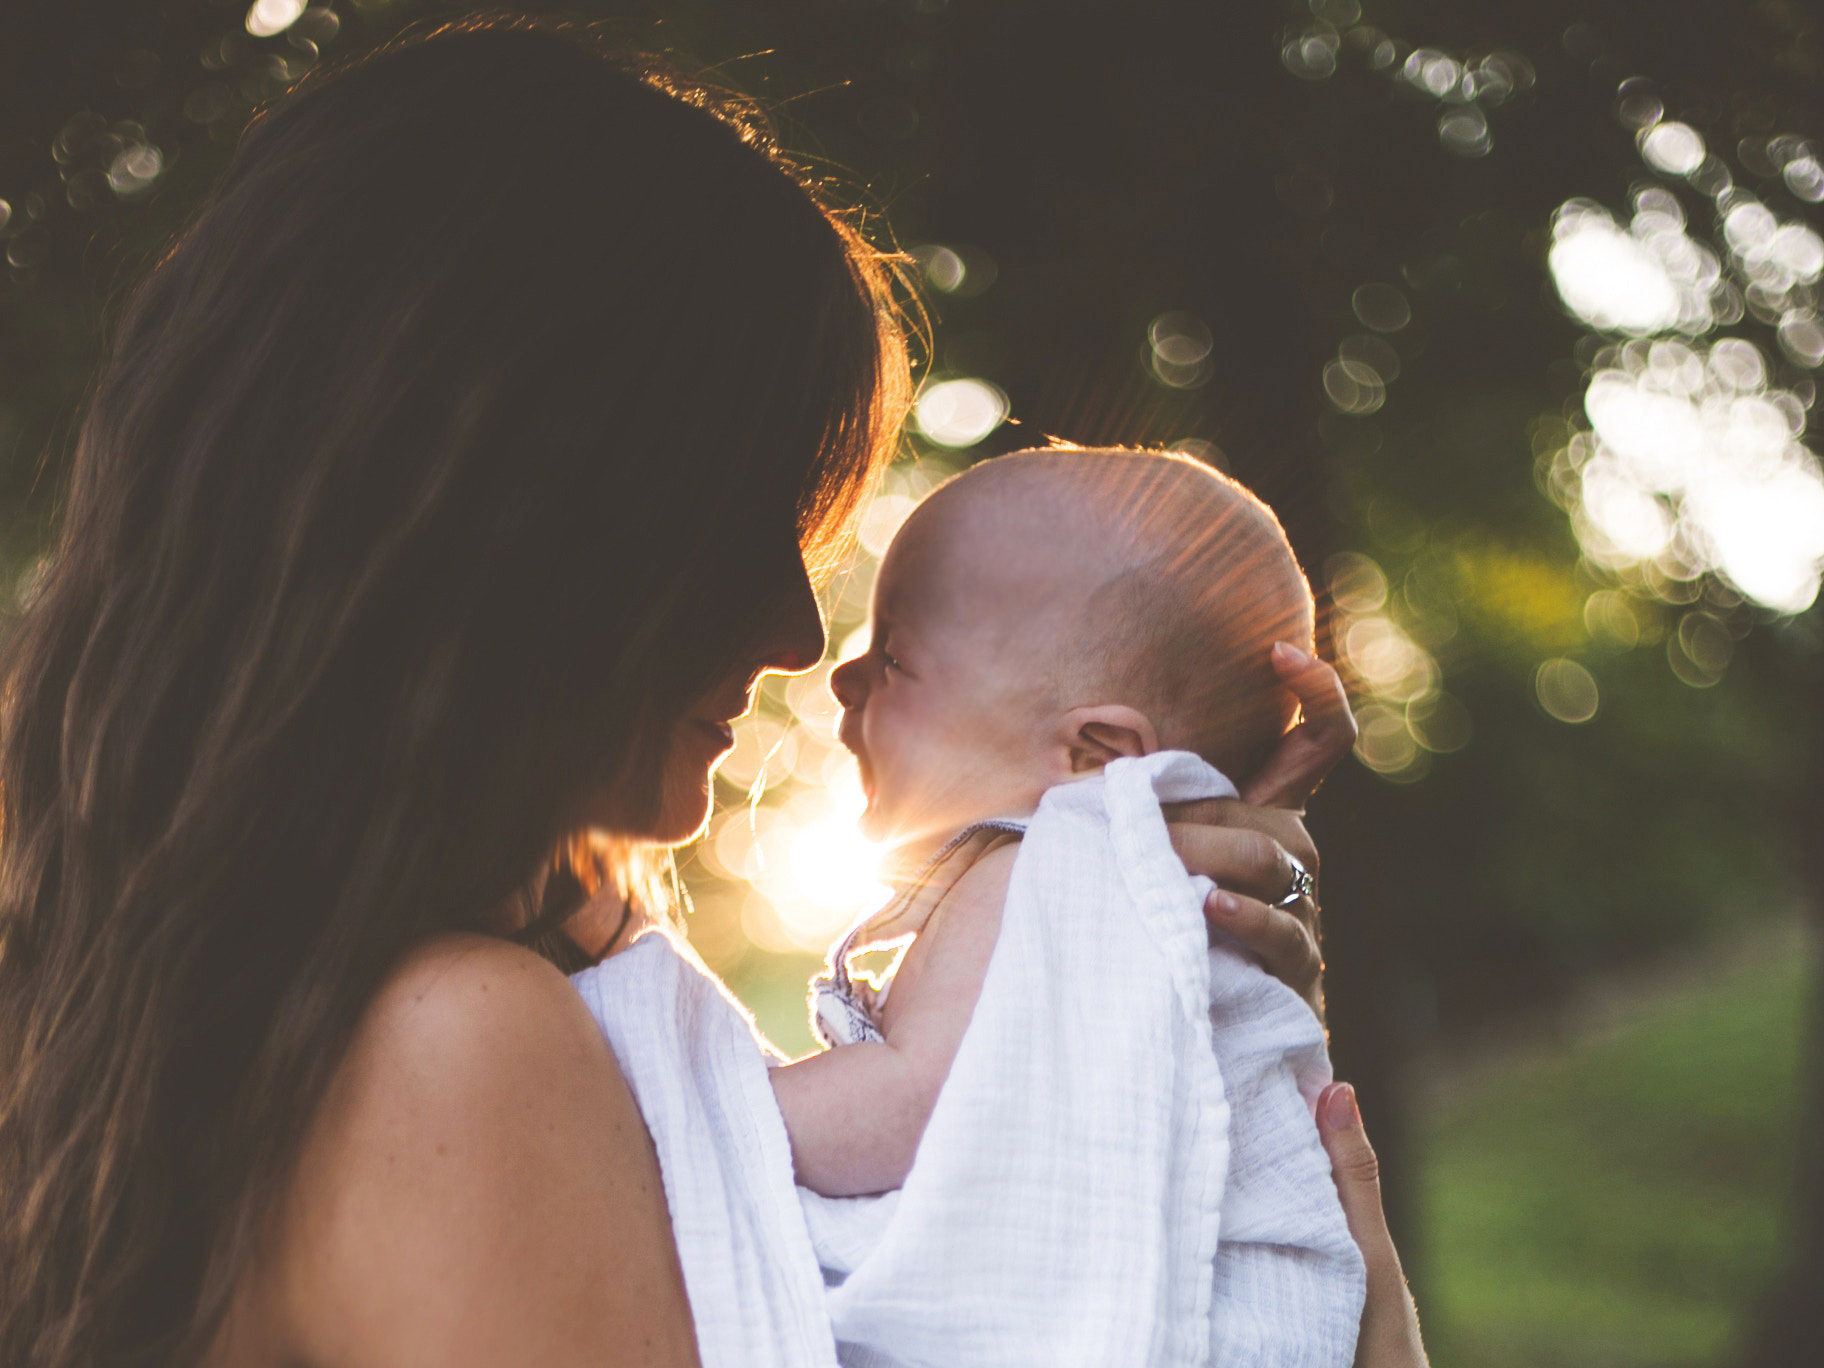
point(1303, 885)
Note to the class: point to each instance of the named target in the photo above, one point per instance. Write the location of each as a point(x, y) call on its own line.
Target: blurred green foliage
point(1618, 1201)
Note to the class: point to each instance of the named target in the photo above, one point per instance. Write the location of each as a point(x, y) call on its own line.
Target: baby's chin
point(905, 847)
point(873, 825)
point(893, 834)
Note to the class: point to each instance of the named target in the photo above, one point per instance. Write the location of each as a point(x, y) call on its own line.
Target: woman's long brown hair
point(447, 455)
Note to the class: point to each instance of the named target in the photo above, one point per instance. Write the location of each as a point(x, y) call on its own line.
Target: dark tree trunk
point(1366, 984)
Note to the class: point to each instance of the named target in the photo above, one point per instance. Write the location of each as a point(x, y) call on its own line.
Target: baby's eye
point(888, 662)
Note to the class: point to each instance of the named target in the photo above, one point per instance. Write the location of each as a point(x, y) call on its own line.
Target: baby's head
point(1046, 612)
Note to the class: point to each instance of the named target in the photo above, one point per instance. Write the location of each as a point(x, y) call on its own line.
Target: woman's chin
point(682, 834)
point(682, 816)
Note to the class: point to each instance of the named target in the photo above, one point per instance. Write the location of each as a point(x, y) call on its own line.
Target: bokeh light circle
point(1381, 307)
point(959, 413)
point(268, 18)
point(1567, 691)
point(1672, 147)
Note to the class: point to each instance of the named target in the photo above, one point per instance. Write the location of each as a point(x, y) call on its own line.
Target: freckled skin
point(424, 1226)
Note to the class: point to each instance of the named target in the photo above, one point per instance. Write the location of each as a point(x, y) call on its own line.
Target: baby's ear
point(1103, 732)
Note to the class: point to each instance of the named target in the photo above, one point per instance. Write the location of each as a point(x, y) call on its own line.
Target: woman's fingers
point(1284, 943)
point(1249, 865)
point(1390, 1320)
point(1224, 833)
point(1311, 749)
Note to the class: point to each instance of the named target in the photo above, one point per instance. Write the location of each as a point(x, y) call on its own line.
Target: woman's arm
point(478, 1187)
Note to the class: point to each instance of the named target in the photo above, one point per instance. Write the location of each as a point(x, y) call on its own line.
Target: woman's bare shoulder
point(477, 1186)
point(467, 1005)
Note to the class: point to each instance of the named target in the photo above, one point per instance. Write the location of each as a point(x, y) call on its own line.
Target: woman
point(445, 489)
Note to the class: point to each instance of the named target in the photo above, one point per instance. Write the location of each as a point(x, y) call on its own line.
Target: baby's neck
point(905, 859)
point(905, 862)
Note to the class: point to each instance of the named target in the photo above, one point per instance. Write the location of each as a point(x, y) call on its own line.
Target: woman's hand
point(1250, 846)
point(1248, 852)
point(1390, 1320)
point(1323, 736)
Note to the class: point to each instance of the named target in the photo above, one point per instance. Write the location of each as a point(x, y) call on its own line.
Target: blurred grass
point(1606, 1198)
point(1615, 1201)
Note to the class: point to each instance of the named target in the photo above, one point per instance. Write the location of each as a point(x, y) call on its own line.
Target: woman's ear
point(1103, 732)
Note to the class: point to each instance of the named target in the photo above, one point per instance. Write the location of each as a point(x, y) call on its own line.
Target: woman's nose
point(794, 640)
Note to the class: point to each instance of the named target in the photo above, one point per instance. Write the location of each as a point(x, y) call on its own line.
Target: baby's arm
point(855, 1113)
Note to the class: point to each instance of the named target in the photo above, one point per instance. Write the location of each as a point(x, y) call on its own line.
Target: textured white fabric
point(1122, 1166)
point(698, 1070)
point(1081, 1164)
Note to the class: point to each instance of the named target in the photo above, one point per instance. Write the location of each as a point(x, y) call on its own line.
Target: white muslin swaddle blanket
point(1121, 1168)
point(697, 1069)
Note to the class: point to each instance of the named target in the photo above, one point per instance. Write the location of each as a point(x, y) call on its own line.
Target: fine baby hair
point(1197, 583)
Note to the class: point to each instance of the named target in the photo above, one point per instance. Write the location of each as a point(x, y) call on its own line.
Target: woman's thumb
point(1352, 1161)
point(1390, 1322)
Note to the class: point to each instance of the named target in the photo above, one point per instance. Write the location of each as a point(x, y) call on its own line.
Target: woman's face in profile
point(788, 638)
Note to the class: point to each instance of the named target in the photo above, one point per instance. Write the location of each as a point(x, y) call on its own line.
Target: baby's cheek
point(921, 726)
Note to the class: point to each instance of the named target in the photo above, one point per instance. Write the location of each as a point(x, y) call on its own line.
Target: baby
point(1050, 630)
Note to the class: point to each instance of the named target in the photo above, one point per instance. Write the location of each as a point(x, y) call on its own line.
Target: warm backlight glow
point(813, 871)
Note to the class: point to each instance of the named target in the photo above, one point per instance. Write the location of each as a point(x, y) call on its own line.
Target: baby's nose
point(848, 681)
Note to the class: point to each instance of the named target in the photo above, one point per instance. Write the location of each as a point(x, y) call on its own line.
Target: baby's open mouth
point(861, 761)
point(867, 776)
